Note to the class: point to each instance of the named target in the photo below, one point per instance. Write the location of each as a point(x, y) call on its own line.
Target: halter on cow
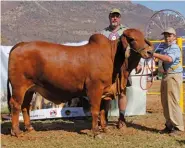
point(60, 72)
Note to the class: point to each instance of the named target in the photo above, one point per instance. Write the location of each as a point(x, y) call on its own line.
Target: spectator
point(113, 32)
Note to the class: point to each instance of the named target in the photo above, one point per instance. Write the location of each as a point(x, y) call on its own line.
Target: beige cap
point(115, 10)
point(170, 30)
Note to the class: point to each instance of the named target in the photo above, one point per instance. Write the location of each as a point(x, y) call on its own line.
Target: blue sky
point(159, 5)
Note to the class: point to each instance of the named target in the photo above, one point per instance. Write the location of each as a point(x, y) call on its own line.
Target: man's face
point(169, 38)
point(114, 19)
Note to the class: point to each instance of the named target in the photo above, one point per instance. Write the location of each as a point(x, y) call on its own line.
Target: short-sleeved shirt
point(113, 35)
point(175, 53)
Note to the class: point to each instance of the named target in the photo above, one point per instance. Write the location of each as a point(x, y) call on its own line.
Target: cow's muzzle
point(147, 51)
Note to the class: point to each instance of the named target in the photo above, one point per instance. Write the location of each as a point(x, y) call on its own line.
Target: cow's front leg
point(105, 104)
point(94, 93)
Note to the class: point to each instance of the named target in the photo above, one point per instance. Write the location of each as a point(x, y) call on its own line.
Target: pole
point(180, 43)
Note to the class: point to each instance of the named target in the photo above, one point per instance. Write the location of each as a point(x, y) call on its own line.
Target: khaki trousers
point(170, 97)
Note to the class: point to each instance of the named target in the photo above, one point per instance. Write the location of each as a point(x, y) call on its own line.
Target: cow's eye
point(130, 40)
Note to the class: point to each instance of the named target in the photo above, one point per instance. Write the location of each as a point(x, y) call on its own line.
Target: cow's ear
point(124, 41)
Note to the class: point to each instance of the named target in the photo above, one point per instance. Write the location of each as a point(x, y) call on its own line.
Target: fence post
point(180, 43)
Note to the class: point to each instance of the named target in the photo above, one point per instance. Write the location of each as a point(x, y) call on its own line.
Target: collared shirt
point(113, 35)
point(174, 52)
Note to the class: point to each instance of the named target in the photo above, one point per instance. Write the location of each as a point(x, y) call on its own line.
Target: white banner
point(50, 113)
point(4, 75)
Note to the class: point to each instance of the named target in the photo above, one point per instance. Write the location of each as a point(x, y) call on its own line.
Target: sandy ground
point(139, 128)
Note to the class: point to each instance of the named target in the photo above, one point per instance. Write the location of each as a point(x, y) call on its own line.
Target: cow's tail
point(8, 95)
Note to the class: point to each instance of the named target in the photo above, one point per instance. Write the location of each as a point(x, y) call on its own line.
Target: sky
point(159, 5)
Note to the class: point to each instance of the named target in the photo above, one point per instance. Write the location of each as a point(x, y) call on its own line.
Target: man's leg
point(173, 97)
point(122, 102)
point(164, 102)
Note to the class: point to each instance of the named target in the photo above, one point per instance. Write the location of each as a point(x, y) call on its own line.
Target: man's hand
point(150, 53)
point(138, 69)
point(154, 73)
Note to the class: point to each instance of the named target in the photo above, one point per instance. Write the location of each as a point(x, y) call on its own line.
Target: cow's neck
point(114, 47)
point(117, 49)
point(133, 61)
point(119, 59)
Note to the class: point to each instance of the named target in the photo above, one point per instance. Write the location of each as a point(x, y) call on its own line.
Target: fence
point(182, 92)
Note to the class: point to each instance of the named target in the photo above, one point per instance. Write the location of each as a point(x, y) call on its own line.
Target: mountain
point(61, 21)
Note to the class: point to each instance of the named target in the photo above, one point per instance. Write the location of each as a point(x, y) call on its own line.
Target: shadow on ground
point(71, 125)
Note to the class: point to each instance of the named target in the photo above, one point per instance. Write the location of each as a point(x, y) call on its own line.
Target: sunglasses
point(115, 15)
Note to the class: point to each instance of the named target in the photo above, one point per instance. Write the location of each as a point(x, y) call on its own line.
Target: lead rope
point(142, 74)
point(151, 70)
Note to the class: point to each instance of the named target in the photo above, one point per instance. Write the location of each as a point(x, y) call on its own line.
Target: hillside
point(62, 21)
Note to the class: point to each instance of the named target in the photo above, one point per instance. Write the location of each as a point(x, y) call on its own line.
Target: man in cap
point(113, 32)
point(115, 29)
point(171, 82)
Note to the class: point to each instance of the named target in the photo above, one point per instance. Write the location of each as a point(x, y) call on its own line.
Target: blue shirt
point(175, 53)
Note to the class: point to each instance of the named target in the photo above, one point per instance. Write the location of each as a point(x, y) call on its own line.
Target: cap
point(170, 30)
point(115, 10)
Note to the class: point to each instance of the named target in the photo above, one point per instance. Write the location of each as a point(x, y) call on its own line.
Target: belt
point(165, 74)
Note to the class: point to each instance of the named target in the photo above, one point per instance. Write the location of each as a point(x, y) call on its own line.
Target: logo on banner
point(53, 113)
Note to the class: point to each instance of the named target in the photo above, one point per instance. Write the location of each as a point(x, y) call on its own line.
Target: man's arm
point(169, 57)
point(138, 69)
point(164, 58)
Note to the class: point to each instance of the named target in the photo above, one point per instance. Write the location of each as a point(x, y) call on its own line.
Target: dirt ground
point(142, 131)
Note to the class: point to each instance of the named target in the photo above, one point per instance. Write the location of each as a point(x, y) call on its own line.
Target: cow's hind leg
point(15, 110)
point(16, 102)
point(25, 110)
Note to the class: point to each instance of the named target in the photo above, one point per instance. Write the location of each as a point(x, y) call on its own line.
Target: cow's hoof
point(29, 128)
point(106, 130)
point(16, 132)
point(95, 132)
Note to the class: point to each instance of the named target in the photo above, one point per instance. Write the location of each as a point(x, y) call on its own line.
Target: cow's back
point(48, 63)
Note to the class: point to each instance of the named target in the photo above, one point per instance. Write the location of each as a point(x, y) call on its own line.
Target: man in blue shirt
point(171, 83)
